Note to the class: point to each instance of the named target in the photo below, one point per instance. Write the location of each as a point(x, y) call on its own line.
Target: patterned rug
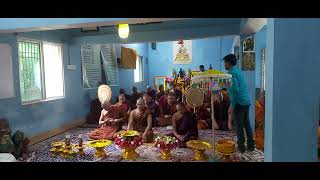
point(147, 153)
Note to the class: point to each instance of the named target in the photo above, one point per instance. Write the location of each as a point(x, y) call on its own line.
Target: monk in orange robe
point(184, 125)
point(167, 110)
point(140, 120)
point(111, 120)
point(123, 103)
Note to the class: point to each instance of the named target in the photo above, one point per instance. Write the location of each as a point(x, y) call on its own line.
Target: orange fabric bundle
point(259, 116)
point(202, 124)
point(105, 132)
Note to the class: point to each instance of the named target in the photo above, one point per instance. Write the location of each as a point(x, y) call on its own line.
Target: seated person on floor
point(151, 92)
point(111, 121)
point(152, 107)
point(167, 110)
point(123, 91)
point(184, 125)
point(203, 115)
point(134, 97)
point(140, 120)
point(16, 144)
point(95, 110)
point(160, 93)
point(123, 103)
point(178, 94)
point(221, 106)
point(163, 99)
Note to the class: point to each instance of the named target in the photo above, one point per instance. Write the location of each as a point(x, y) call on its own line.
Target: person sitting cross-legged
point(140, 120)
point(184, 125)
point(111, 121)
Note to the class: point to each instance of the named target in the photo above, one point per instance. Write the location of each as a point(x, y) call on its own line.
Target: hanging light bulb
point(123, 30)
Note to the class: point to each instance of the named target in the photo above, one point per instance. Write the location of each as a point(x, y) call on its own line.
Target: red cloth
point(124, 106)
point(162, 100)
point(108, 131)
point(166, 109)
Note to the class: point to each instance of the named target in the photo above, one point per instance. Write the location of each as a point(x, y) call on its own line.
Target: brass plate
point(225, 146)
point(57, 144)
point(198, 145)
point(99, 143)
point(130, 133)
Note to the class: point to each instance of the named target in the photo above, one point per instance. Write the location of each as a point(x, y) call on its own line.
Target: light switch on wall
point(71, 66)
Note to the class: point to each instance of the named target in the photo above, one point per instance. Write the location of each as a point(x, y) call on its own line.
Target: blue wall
point(36, 118)
point(292, 90)
point(126, 76)
point(48, 115)
point(204, 51)
point(260, 43)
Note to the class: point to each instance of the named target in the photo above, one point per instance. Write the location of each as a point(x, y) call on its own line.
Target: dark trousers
point(242, 122)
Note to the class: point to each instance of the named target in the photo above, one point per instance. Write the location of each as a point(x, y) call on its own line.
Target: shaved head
point(106, 105)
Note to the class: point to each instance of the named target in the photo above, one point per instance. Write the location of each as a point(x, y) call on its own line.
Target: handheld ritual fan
point(194, 97)
point(104, 93)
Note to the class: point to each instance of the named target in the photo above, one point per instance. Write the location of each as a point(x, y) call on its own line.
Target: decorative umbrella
point(104, 93)
point(212, 81)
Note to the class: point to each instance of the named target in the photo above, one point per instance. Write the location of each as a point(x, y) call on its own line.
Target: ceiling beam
point(90, 24)
point(252, 25)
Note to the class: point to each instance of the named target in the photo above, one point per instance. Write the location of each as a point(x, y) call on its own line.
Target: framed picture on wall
point(160, 80)
point(248, 61)
point(248, 44)
point(182, 52)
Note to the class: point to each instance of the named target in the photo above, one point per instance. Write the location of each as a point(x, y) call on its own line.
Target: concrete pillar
point(292, 90)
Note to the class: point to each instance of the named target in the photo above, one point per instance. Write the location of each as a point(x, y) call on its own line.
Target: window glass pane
point(30, 76)
point(53, 70)
point(137, 70)
point(141, 70)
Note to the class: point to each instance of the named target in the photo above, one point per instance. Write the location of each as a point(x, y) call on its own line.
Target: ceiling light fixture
point(123, 30)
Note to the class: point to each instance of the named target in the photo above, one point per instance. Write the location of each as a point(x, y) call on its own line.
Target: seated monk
point(140, 120)
point(167, 110)
point(134, 97)
point(184, 125)
point(111, 120)
point(152, 107)
point(160, 93)
point(163, 99)
point(203, 115)
point(123, 103)
point(123, 91)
